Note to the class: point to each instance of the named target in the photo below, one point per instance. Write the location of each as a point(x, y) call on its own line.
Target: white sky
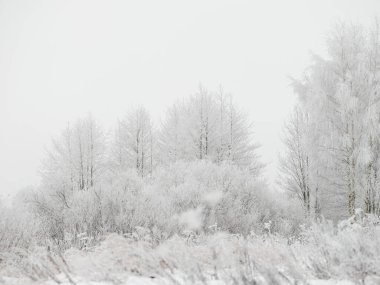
point(60, 60)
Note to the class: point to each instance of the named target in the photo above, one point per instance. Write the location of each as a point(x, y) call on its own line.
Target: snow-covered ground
point(136, 280)
point(322, 255)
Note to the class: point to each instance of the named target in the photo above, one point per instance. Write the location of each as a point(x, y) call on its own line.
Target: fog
point(60, 60)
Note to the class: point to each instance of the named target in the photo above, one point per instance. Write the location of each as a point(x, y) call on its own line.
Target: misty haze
point(198, 142)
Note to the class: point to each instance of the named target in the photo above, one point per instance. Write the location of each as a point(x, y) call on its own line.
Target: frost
point(192, 219)
point(213, 198)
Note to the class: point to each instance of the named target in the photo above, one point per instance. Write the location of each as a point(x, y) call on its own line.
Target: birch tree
point(339, 95)
point(77, 157)
point(295, 164)
point(209, 126)
point(133, 146)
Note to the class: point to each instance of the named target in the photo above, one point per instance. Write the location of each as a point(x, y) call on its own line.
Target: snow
point(136, 280)
point(331, 282)
point(213, 198)
point(322, 255)
point(192, 219)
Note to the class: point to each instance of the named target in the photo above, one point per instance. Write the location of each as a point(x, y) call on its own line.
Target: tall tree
point(295, 164)
point(133, 146)
point(209, 126)
point(77, 157)
point(340, 96)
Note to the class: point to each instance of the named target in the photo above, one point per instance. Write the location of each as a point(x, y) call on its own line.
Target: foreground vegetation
point(321, 251)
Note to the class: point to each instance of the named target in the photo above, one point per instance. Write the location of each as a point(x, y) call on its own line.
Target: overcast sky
point(60, 60)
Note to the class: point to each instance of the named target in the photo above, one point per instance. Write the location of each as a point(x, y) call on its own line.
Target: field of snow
point(322, 254)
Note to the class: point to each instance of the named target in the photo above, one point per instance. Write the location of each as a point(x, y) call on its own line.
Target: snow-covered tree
point(208, 126)
point(339, 95)
point(295, 164)
point(371, 162)
point(77, 157)
point(76, 163)
point(133, 146)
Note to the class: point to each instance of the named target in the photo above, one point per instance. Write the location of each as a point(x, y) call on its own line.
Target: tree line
point(145, 175)
point(208, 125)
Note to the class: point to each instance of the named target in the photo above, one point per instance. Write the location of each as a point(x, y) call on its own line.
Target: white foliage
point(192, 219)
point(213, 198)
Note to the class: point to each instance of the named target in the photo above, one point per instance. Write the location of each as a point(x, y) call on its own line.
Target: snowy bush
point(224, 197)
point(350, 251)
